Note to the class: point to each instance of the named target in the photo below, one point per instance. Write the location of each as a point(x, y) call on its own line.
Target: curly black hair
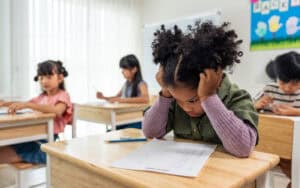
point(49, 67)
point(184, 56)
point(285, 67)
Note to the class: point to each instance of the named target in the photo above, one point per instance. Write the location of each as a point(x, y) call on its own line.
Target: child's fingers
point(275, 110)
point(11, 110)
point(209, 73)
point(202, 77)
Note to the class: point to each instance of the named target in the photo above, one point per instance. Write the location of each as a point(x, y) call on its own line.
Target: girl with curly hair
point(197, 100)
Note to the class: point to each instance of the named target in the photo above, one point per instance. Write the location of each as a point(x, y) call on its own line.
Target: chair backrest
point(275, 135)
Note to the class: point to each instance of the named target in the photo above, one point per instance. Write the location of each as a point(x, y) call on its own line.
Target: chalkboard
point(148, 67)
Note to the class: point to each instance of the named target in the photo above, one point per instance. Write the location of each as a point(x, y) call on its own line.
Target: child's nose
point(186, 108)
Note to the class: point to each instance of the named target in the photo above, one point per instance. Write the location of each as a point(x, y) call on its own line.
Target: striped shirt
point(279, 97)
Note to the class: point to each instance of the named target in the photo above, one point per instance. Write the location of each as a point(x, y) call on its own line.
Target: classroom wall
point(250, 73)
point(4, 48)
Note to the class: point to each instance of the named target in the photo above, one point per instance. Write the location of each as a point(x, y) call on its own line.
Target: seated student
point(283, 97)
point(53, 99)
point(197, 100)
point(134, 90)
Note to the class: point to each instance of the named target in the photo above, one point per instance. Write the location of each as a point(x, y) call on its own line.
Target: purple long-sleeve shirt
point(237, 137)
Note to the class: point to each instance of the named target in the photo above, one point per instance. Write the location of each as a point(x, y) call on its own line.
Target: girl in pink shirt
point(53, 99)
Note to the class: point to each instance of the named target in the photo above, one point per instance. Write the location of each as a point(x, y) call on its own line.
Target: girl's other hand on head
point(210, 81)
point(13, 108)
point(159, 78)
point(263, 102)
point(99, 95)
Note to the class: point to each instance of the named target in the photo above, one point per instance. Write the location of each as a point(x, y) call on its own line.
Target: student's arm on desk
point(237, 137)
point(155, 119)
point(287, 110)
point(100, 95)
point(6, 103)
point(57, 109)
point(144, 98)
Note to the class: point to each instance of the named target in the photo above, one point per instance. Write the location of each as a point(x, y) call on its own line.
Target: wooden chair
point(28, 174)
point(276, 137)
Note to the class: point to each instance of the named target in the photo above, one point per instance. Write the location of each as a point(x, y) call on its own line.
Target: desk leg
point(113, 120)
point(50, 130)
point(264, 181)
point(74, 126)
point(296, 156)
point(48, 172)
point(50, 139)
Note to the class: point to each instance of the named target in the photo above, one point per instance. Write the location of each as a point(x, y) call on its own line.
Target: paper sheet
point(170, 157)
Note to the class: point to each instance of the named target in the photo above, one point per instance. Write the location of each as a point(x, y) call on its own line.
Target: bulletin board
point(275, 24)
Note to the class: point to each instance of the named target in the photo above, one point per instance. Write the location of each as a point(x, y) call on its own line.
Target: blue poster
point(275, 24)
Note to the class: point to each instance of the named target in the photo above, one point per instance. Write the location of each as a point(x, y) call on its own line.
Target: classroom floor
point(84, 129)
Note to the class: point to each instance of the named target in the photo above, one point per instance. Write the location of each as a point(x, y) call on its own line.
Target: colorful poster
point(275, 24)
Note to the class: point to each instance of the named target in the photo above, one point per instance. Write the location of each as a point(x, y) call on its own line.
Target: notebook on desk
point(4, 111)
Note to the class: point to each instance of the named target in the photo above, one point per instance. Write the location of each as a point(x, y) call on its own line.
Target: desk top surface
point(270, 115)
point(221, 169)
point(9, 118)
point(113, 106)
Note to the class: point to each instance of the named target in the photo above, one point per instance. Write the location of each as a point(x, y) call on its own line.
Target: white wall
point(250, 73)
point(5, 48)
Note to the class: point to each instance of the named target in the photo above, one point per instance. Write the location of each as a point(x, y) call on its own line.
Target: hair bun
point(64, 71)
point(36, 78)
point(59, 63)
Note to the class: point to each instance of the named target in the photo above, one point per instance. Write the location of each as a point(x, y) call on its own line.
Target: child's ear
point(134, 70)
point(60, 77)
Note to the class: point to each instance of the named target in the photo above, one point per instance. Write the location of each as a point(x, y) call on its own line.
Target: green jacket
point(200, 128)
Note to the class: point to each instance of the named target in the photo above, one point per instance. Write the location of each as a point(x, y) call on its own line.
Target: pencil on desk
point(127, 140)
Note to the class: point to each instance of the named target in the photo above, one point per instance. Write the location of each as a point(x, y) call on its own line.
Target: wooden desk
point(15, 129)
point(108, 113)
point(85, 162)
point(281, 135)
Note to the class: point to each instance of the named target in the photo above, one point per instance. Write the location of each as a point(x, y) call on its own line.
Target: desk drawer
point(92, 114)
point(22, 131)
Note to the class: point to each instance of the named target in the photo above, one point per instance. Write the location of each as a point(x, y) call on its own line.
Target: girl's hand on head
point(263, 102)
point(13, 108)
point(210, 81)
point(99, 95)
point(283, 109)
point(164, 90)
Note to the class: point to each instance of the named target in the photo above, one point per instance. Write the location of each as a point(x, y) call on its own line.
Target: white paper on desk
point(170, 157)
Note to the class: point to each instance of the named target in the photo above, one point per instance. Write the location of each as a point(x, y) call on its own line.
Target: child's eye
point(194, 100)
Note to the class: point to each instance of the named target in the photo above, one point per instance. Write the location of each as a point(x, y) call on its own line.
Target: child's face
point(129, 73)
point(188, 100)
point(289, 87)
point(50, 82)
